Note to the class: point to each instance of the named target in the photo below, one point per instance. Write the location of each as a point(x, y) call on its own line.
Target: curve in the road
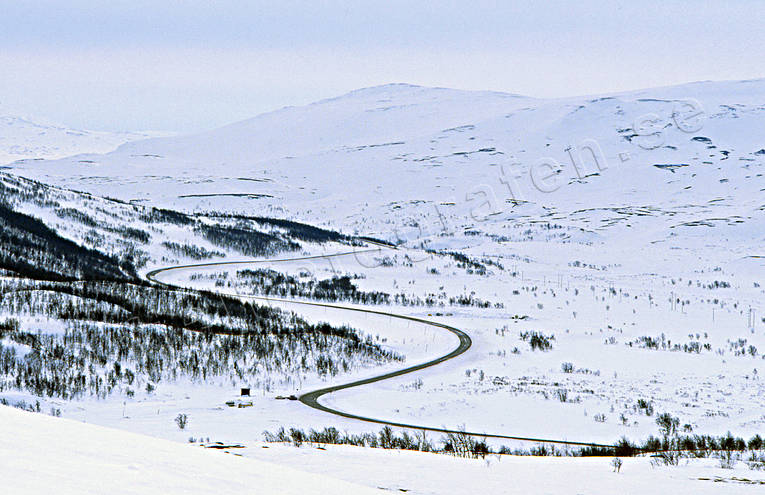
point(311, 399)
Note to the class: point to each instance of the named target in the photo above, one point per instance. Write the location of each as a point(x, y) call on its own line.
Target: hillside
point(78, 321)
point(417, 161)
point(29, 139)
point(52, 454)
point(74, 458)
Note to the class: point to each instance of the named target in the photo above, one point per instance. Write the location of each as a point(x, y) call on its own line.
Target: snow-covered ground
point(433, 474)
point(44, 454)
point(32, 139)
point(459, 160)
point(629, 226)
point(501, 386)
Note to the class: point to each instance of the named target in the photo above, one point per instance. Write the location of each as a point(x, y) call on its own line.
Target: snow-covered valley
point(605, 254)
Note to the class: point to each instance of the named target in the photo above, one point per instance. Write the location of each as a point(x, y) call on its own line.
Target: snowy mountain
point(22, 138)
point(409, 163)
point(379, 139)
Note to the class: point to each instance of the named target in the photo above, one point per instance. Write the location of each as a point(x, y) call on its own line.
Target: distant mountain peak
point(401, 91)
point(32, 138)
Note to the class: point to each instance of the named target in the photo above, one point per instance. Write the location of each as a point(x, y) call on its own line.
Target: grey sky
point(191, 65)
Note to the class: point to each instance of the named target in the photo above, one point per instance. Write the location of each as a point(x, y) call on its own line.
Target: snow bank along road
point(311, 399)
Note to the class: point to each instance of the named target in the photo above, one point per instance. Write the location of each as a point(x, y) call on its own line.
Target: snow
point(430, 474)
point(35, 139)
point(713, 393)
point(49, 454)
point(54, 455)
point(611, 255)
point(405, 151)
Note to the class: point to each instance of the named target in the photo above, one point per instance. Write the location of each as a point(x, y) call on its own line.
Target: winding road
point(311, 399)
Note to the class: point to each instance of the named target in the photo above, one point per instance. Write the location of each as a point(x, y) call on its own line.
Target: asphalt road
point(311, 399)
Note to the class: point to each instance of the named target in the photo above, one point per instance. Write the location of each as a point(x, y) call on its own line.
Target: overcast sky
point(191, 65)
